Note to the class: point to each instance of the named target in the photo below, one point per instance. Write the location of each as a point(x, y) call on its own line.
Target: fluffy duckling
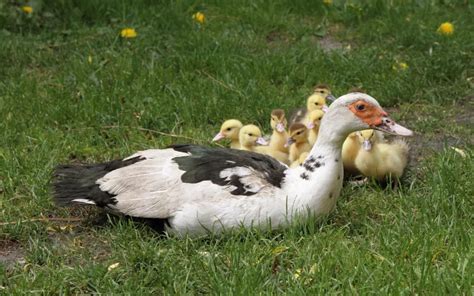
point(250, 136)
point(381, 160)
point(313, 124)
point(298, 141)
point(316, 101)
point(279, 136)
point(300, 160)
point(230, 130)
point(351, 148)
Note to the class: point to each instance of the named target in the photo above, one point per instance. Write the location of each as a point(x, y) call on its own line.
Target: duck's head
point(316, 102)
point(229, 130)
point(324, 91)
point(359, 111)
point(315, 117)
point(278, 120)
point(298, 133)
point(250, 135)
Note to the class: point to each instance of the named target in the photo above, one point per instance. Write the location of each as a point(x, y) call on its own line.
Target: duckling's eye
point(360, 107)
point(298, 133)
point(250, 135)
point(229, 128)
point(316, 103)
point(319, 118)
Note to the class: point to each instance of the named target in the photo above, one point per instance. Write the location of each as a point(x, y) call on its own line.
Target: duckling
point(381, 160)
point(316, 101)
point(278, 123)
point(230, 130)
point(351, 148)
point(315, 117)
point(298, 141)
point(250, 136)
point(300, 160)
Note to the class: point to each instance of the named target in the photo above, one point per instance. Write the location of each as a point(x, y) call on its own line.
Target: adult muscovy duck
point(197, 189)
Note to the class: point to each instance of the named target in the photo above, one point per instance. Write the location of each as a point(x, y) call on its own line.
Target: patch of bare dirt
point(11, 252)
point(423, 145)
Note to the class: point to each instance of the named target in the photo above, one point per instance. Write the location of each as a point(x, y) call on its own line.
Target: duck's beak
point(289, 141)
point(391, 127)
point(261, 141)
point(325, 108)
point(367, 145)
point(280, 127)
point(218, 137)
point(331, 98)
point(310, 125)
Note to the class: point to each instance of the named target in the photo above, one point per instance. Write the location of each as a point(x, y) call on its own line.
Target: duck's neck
point(316, 184)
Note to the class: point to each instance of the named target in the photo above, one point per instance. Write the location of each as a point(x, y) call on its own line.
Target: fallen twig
point(43, 219)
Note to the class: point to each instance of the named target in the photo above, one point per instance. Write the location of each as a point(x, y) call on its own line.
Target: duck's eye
point(319, 118)
point(360, 107)
point(250, 135)
point(316, 103)
point(229, 128)
point(298, 133)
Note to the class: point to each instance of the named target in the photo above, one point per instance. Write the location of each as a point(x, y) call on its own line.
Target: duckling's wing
point(297, 115)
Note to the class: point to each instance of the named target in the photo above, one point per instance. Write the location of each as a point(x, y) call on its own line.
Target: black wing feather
point(205, 163)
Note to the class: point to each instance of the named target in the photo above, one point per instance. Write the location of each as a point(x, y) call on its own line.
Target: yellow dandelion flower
point(446, 29)
point(27, 9)
point(400, 66)
point(199, 17)
point(128, 33)
point(327, 2)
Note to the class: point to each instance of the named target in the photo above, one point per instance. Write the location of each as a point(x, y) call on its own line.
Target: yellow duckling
point(250, 136)
point(230, 130)
point(279, 136)
point(316, 101)
point(314, 121)
point(381, 160)
point(300, 160)
point(298, 141)
point(351, 148)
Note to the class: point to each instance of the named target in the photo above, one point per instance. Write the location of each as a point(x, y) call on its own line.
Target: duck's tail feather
point(76, 183)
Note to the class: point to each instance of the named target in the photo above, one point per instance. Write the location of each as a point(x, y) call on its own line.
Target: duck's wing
point(247, 172)
point(155, 183)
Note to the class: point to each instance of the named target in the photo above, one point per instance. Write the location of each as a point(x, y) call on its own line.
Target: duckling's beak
point(367, 145)
point(331, 98)
point(289, 141)
point(391, 127)
point(325, 108)
point(218, 137)
point(310, 125)
point(280, 127)
point(262, 141)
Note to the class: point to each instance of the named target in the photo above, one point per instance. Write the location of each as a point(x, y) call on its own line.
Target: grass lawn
point(73, 90)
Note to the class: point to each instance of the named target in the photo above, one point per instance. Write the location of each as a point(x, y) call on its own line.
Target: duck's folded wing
point(158, 182)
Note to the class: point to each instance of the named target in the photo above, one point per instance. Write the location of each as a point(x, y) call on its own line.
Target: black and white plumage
point(199, 189)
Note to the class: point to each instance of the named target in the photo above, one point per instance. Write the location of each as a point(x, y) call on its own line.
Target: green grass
point(181, 78)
